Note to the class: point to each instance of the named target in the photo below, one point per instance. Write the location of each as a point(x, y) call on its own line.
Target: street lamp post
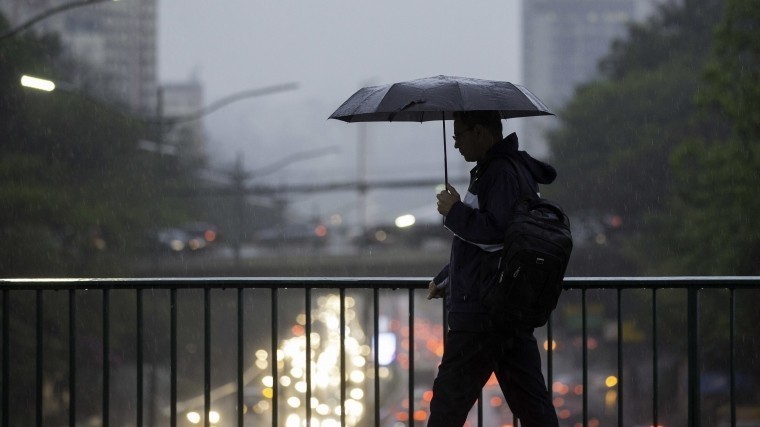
point(47, 85)
point(238, 176)
point(48, 13)
point(159, 120)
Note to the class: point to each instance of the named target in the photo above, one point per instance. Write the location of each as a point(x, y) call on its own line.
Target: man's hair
point(491, 120)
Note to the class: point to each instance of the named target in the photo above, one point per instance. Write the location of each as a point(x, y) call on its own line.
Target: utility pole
point(361, 161)
point(238, 178)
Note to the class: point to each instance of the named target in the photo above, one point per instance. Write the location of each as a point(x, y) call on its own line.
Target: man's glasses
point(456, 137)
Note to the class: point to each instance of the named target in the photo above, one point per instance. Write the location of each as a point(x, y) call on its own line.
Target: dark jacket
point(479, 223)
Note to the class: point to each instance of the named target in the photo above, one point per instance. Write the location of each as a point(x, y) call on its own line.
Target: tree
point(77, 195)
point(617, 135)
point(713, 222)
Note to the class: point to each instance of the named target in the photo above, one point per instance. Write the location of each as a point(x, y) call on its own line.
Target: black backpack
point(522, 283)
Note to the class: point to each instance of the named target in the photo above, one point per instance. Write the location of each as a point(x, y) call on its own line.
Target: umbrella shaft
point(445, 157)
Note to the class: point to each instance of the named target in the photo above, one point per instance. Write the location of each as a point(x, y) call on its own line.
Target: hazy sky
point(331, 49)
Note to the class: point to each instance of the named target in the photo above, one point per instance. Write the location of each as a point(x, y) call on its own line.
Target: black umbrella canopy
point(436, 98)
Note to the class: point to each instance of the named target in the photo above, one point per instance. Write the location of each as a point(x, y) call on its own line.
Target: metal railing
point(285, 293)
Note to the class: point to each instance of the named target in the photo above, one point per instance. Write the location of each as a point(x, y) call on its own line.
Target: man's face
point(469, 141)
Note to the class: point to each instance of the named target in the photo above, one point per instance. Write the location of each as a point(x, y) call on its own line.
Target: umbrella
point(437, 98)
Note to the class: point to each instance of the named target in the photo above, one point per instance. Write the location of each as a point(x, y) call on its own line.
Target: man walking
point(478, 344)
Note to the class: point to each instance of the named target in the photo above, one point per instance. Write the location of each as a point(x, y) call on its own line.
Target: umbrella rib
point(461, 95)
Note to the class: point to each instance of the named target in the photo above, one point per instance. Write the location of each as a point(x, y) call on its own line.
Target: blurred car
point(415, 236)
point(312, 235)
point(189, 237)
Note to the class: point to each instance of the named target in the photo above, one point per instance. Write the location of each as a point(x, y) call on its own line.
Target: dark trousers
point(469, 358)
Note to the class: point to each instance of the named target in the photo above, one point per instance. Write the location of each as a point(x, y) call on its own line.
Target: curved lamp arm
point(48, 13)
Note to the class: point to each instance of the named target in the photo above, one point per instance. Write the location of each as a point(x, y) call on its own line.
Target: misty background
point(331, 49)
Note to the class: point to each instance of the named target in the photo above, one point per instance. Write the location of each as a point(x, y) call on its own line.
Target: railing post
point(240, 357)
point(620, 356)
point(693, 356)
point(411, 356)
point(343, 375)
point(6, 355)
point(273, 351)
point(140, 359)
point(207, 357)
point(584, 327)
point(40, 351)
point(72, 358)
point(106, 356)
point(655, 379)
point(732, 345)
point(307, 354)
point(376, 351)
point(173, 357)
point(549, 356)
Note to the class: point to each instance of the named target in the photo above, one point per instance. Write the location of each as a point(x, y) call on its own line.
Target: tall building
point(114, 42)
point(183, 99)
point(563, 41)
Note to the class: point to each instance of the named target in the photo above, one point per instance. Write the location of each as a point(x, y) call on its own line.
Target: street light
point(37, 83)
point(159, 120)
point(50, 85)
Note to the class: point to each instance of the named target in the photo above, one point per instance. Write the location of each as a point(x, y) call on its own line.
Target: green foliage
point(734, 70)
point(615, 138)
point(678, 29)
point(711, 227)
point(75, 191)
point(668, 140)
point(713, 221)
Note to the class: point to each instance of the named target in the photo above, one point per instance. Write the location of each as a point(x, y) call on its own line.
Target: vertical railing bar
point(445, 317)
point(342, 356)
point(515, 421)
point(106, 355)
point(732, 350)
point(585, 357)
point(139, 349)
point(240, 356)
point(655, 397)
point(693, 357)
point(620, 356)
point(72, 358)
point(275, 374)
point(411, 356)
point(549, 363)
point(172, 357)
point(376, 355)
point(39, 360)
point(307, 310)
point(206, 356)
point(6, 356)
point(549, 355)
point(480, 409)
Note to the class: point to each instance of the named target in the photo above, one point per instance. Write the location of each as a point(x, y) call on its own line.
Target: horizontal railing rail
point(693, 287)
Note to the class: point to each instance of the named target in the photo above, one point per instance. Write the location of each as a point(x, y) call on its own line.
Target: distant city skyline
point(117, 41)
point(203, 54)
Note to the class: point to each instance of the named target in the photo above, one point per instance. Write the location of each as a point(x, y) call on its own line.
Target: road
point(295, 261)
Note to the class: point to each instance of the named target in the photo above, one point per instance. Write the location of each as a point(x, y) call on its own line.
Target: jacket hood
point(542, 172)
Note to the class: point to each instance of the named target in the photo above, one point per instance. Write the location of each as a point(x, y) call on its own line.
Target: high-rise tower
point(563, 40)
point(114, 41)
